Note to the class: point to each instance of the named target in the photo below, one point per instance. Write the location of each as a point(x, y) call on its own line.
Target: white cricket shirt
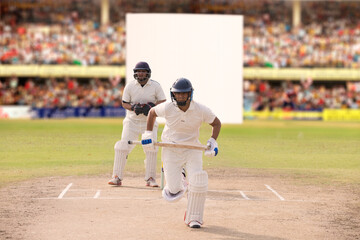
point(134, 93)
point(183, 126)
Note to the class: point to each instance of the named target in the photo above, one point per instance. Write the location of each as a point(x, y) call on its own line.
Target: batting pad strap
point(172, 197)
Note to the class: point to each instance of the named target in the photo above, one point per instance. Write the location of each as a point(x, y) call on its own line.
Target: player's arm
point(158, 102)
point(151, 120)
point(147, 106)
point(127, 97)
point(216, 126)
point(147, 137)
point(127, 106)
point(212, 144)
point(137, 108)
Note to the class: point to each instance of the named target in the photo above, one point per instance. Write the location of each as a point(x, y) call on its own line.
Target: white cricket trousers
point(133, 128)
point(173, 162)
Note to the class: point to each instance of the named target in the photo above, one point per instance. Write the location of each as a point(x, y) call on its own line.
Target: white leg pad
point(198, 185)
point(120, 159)
point(172, 197)
point(150, 165)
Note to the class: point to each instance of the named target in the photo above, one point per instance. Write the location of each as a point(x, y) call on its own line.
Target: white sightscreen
point(206, 49)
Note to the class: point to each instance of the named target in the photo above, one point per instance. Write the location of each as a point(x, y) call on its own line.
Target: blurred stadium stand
point(298, 55)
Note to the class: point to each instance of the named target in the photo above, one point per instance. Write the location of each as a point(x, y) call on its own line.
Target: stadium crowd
point(60, 38)
point(69, 32)
point(303, 95)
point(64, 92)
point(258, 94)
point(327, 44)
point(269, 38)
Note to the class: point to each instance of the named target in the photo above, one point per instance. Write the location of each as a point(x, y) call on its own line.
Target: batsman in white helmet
point(183, 119)
point(139, 96)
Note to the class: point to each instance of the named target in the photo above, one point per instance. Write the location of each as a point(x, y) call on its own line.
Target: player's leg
point(150, 168)
point(150, 162)
point(198, 185)
point(122, 149)
point(173, 162)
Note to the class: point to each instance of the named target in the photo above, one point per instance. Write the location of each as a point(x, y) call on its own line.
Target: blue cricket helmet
point(142, 66)
point(179, 86)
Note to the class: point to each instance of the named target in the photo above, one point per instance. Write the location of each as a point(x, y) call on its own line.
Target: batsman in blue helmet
point(183, 168)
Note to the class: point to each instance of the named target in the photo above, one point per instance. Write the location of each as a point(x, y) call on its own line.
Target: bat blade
point(175, 145)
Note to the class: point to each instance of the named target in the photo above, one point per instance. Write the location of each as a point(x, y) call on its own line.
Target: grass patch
point(40, 148)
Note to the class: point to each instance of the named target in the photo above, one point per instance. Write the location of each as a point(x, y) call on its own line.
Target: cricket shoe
point(194, 224)
point(151, 183)
point(115, 181)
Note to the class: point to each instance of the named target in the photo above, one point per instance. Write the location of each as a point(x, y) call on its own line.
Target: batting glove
point(213, 148)
point(147, 140)
point(146, 107)
point(137, 108)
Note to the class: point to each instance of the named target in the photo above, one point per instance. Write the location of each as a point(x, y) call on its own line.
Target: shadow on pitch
point(136, 187)
point(231, 234)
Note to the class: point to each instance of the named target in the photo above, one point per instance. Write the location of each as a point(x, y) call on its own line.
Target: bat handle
point(134, 142)
point(208, 146)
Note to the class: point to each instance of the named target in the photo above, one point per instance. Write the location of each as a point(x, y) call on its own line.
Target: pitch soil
point(241, 204)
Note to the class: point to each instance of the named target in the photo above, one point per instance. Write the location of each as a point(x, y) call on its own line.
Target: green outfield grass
point(327, 151)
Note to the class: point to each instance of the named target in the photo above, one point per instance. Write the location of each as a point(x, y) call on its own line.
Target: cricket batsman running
point(183, 119)
point(138, 98)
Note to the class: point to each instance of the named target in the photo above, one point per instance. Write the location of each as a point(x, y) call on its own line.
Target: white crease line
point(102, 198)
point(244, 195)
point(261, 200)
point(64, 191)
point(147, 198)
point(81, 190)
point(97, 194)
point(278, 195)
